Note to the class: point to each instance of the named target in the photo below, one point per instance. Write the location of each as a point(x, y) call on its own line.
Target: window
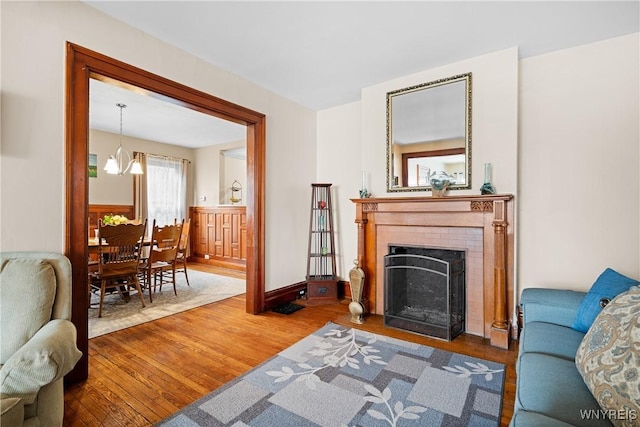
point(166, 189)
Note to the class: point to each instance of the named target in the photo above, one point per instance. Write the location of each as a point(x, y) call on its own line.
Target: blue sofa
point(550, 391)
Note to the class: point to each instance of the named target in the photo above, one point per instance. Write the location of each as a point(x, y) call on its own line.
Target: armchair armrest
point(557, 306)
point(48, 356)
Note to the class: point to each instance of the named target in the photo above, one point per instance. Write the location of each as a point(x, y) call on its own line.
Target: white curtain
point(166, 188)
point(140, 189)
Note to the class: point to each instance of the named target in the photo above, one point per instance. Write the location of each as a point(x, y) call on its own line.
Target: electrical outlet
point(206, 256)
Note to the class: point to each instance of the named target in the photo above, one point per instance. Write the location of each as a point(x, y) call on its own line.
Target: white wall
point(209, 167)
point(234, 170)
point(562, 132)
point(579, 162)
point(352, 138)
point(33, 107)
point(494, 121)
point(118, 189)
point(577, 132)
point(339, 163)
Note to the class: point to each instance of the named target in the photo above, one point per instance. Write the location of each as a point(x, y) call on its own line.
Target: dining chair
point(183, 249)
point(119, 259)
point(163, 251)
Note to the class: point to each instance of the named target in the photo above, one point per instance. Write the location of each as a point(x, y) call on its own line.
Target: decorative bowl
point(440, 182)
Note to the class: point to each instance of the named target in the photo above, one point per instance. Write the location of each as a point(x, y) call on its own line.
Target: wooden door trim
point(83, 64)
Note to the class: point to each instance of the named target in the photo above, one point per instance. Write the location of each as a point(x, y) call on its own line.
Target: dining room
point(157, 163)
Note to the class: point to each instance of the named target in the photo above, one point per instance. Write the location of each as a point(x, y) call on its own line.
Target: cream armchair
point(38, 341)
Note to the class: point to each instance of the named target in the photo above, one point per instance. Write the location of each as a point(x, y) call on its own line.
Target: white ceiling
point(150, 118)
point(320, 54)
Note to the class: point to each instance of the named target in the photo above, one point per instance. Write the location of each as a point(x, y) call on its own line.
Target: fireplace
point(481, 225)
point(425, 291)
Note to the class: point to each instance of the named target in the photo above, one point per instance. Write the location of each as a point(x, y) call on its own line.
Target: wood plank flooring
point(143, 374)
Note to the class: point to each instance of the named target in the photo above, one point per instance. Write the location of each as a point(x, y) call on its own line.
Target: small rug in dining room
point(119, 314)
point(341, 376)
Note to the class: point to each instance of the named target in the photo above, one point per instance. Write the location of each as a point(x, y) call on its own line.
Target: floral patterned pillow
point(609, 358)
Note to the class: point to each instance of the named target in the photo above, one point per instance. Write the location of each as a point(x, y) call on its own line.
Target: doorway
point(81, 64)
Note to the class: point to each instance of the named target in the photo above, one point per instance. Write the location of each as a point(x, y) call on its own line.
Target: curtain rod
point(161, 155)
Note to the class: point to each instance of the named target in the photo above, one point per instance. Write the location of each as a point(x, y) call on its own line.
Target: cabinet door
point(219, 235)
point(214, 234)
point(200, 234)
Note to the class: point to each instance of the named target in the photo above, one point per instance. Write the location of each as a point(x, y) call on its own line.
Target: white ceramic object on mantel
point(356, 283)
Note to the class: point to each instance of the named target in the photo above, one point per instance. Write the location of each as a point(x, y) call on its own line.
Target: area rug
point(119, 314)
point(340, 376)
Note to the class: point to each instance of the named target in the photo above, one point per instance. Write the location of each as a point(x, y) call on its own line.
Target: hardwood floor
point(140, 375)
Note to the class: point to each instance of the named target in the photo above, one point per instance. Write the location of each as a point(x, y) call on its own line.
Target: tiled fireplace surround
point(482, 226)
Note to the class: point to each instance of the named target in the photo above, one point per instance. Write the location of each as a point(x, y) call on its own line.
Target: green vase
point(487, 187)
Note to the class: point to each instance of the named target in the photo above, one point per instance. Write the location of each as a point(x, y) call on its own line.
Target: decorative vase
point(356, 284)
point(487, 187)
point(440, 182)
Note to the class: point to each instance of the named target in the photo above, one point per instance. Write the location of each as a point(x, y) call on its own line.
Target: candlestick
point(364, 187)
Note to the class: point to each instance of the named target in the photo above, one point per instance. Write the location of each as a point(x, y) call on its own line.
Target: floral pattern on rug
point(339, 350)
point(342, 376)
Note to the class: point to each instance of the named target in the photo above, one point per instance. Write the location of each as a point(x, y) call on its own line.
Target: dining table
point(94, 244)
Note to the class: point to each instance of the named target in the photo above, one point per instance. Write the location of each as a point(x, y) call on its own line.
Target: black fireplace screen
point(425, 291)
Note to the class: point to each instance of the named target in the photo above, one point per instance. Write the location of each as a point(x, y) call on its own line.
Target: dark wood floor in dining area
point(140, 375)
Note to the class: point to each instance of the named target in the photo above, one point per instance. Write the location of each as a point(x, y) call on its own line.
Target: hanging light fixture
point(115, 164)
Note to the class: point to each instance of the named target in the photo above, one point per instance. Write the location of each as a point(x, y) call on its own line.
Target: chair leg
point(124, 294)
point(148, 274)
point(155, 280)
point(139, 289)
point(173, 271)
point(103, 289)
point(186, 276)
point(89, 293)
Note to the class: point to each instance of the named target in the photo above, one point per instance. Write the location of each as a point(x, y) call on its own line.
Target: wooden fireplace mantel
point(493, 214)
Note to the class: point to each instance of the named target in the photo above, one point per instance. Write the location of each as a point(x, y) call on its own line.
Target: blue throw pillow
point(608, 285)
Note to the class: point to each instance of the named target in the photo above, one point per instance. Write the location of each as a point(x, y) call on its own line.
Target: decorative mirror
point(429, 131)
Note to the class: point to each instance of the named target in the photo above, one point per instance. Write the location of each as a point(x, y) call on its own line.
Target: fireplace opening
point(425, 291)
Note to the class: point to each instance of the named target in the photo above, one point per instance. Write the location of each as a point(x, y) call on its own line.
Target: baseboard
point(283, 295)
point(292, 292)
point(230, 264)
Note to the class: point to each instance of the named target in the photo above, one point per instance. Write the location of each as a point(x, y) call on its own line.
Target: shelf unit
point(322, 281)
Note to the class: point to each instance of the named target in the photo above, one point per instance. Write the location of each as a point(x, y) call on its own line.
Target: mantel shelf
point(429, 199)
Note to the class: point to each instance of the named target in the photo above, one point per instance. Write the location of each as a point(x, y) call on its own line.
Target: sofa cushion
point(557, 306)
point(533, 419)
point(27, 290)
point(609, 358)
point(607, 286)
point(552, 386)
point(551, 339)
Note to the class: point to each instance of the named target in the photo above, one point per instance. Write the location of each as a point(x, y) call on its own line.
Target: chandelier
point(116, 163)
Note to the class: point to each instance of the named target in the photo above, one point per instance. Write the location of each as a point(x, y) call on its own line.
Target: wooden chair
point(162, 256)
point(119, 259)
point(183, 249)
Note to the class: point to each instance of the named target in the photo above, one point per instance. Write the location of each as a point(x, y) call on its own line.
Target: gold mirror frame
point(397, 177)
